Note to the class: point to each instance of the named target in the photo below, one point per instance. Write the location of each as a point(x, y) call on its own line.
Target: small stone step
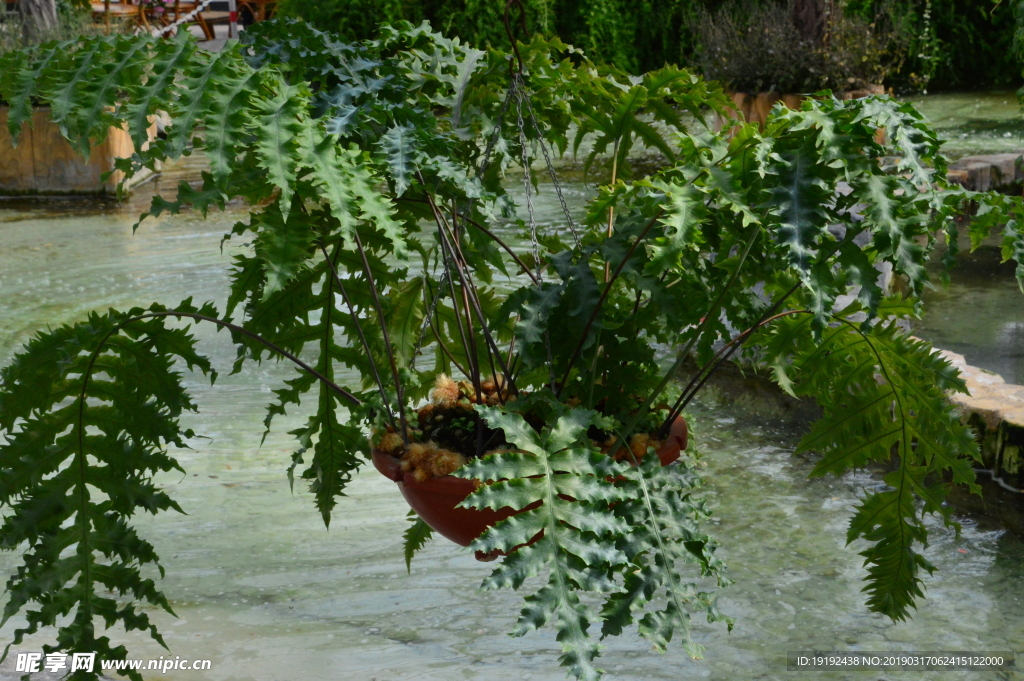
point(995, 409)
point(982, 173)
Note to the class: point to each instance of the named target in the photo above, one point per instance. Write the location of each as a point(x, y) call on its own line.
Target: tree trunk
point(808, 18)
point(38, 18)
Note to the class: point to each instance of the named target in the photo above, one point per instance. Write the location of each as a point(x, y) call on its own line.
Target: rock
point(982, 173)
point(995, 410)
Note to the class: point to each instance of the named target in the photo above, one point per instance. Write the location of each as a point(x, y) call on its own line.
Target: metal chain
point(520, 88)
point(554, 177)
point(525, 160)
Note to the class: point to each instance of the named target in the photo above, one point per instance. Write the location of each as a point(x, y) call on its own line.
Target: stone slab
point(995, 409)
point(987, 172)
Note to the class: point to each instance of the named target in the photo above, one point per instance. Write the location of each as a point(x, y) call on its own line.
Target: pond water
point(986, 122)
point(267, 593)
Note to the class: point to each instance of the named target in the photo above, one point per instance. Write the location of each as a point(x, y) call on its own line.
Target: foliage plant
point(952, 44)
point(634, 35)
point(383, 249)
point(797, 46)
point(924, 44)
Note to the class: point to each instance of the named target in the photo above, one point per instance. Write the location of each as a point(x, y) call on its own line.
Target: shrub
point(768, 48)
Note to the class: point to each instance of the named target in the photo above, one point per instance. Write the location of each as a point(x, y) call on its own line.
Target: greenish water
point(268, 594)
point(974, 122)
point(980, 314)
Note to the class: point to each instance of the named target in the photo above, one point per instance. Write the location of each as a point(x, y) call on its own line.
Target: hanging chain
point(554, 177)
point(517, 85)
point(484, 164)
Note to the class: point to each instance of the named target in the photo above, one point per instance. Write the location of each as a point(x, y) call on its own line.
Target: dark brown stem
point(720, 358)
point(490, 346)
point(359, 330)
point(387, 340)
point(469, 290)
point(600, 302)
point(511, 34)
point(712, 313)
point(444, 348)
point(245, 332)
point(436, 330)
point(494, 237)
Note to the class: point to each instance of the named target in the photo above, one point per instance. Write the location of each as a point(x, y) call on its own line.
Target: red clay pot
point(436, 500)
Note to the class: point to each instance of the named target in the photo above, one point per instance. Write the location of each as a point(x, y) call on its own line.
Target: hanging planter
point(436, 500)
point(378, 243)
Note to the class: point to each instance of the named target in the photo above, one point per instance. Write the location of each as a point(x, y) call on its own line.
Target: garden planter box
point(754, 108)
point(44, 162)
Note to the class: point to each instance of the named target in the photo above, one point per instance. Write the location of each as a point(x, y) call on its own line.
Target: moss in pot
point(383, 249)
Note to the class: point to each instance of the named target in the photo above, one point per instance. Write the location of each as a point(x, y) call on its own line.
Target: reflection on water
point(974, 122)
point(267, 593)
point(980, 314)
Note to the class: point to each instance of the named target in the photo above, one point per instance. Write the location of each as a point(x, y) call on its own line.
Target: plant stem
point(600, 302)
point(712, 313)
point(611, 209)
point(387, 341)
point(508, 249)
point(449, 241)
point(593, 370)
point(249, 334)
point(451, 357)
point(359, 330)
point(723, 355)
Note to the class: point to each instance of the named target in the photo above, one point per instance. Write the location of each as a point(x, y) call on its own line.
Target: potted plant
point(386, 256)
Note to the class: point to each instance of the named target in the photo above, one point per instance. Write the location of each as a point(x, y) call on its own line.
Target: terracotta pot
point(436, 499)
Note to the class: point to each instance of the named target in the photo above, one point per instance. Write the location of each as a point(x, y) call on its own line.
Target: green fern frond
point(664, 516)
point(884, 399)
point(572, 525)
point(168, 58)
point(87, 413)
point(415, 538)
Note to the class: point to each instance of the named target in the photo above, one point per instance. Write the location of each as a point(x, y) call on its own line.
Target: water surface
point(986, 122)
point(267, 593)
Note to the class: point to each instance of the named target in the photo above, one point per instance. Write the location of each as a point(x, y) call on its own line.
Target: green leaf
point(799, 199)
point(416, 536)
point(168, 59)
point(71, 477)
point(284, 245)
point(883, 396)
point(406, 319)
point(398, 145)
point(683, 215)
point(572, 485)
point(195, 97)
point(277, 129)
